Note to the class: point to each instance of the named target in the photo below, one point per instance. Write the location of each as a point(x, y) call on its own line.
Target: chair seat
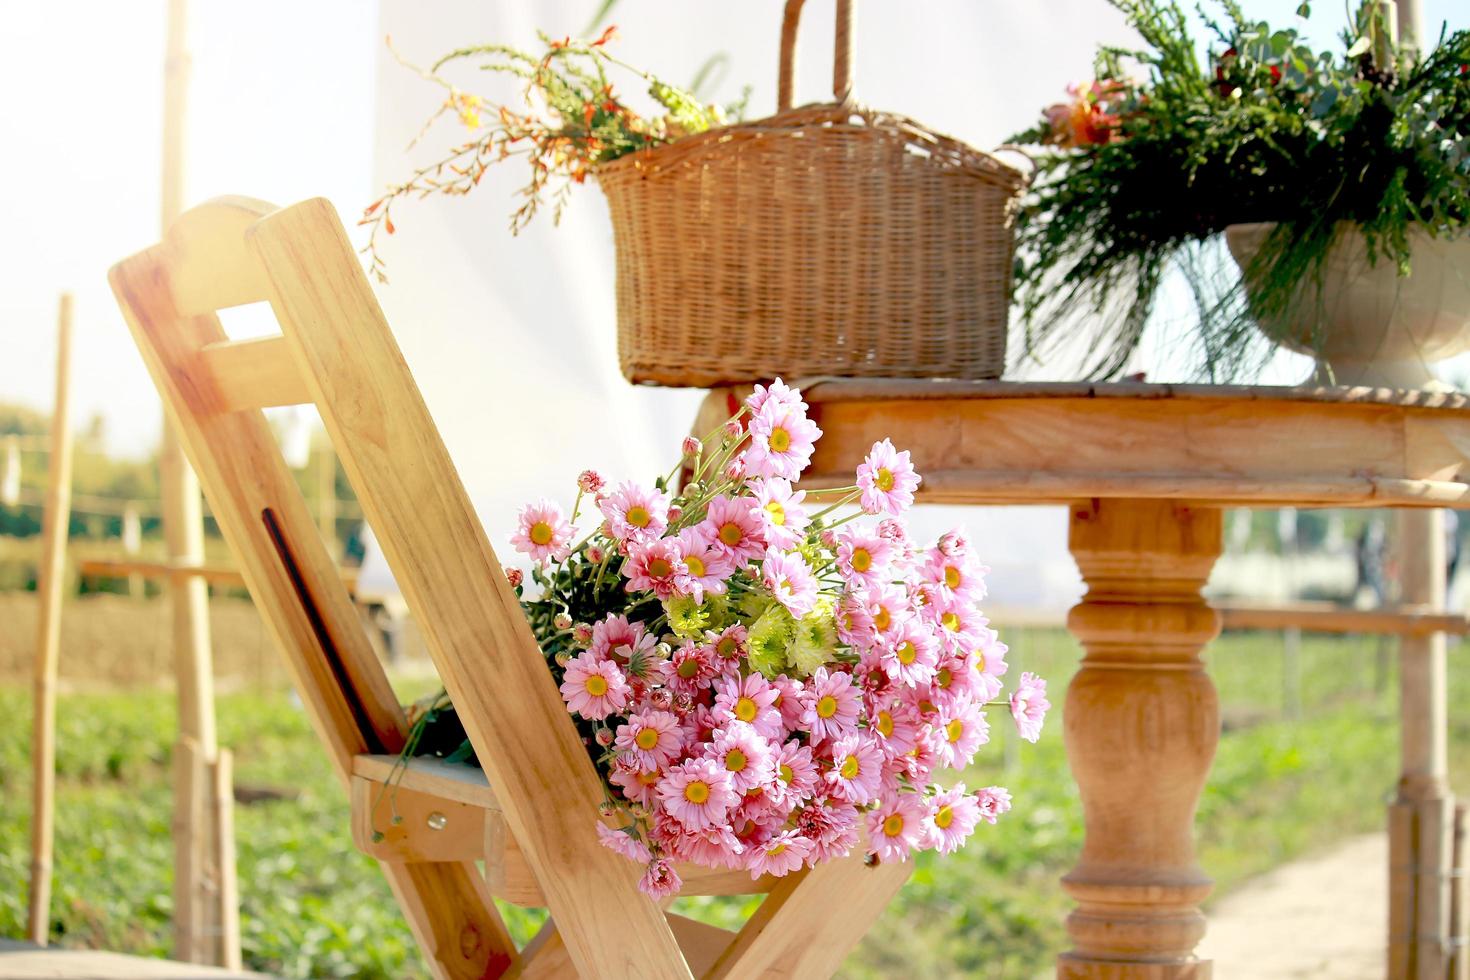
point(449, 812)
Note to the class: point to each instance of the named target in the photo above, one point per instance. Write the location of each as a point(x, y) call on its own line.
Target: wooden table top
point(1000, 442)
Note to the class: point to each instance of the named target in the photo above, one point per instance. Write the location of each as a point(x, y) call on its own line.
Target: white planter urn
point(1365, 324)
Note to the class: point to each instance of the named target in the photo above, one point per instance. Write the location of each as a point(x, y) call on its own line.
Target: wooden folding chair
point(531, 821)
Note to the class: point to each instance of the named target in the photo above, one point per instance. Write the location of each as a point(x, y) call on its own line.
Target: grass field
point(314, 907)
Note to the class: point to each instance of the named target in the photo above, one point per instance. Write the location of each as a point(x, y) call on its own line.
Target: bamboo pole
point(1421, 817)
point(54, 521)
point(198, 929)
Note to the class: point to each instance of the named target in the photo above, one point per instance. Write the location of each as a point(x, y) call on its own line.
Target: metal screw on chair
point(437, 821)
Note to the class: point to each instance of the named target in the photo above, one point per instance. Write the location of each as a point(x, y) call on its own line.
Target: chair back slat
point(476, 632)
point(255, 373)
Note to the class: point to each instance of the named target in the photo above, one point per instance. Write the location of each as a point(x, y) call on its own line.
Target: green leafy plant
point(1138, 177)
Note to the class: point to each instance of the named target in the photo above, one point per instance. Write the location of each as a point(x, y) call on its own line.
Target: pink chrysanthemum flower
point(691, 669)
point(594, 688)
point(888, 609)
point(918, 765)
point(698, 793)
point(751, 700)
point(954, 678)
point(543, 532)
point(863, 558)
point(780, 511)
point(660, 880)
point(655, 565)
point(650, 739)
point(895, 727)
point(831, 705)
point(778, 856)
point(589, 481)
point(705, 568)
point(961, 578)
point(992, 801)
point(638, 785)
point(778, 392)
point(955, 543)
point(909, 653)
point(622, 843)
point(715, 846)
point(960, 626)
point(743, 753)
point(731, 529)
point(990, 665)
point(781, 441)
point(790, 581)
point(1029, 706)
point(957, 733)
point(633, 511)
point(887, 480)
point(896, 826)
point(796, 774)
point(730, 645)
point(952, 818)
point(615, 638)
point(788, 702)
point(831, 826)
point(857, 769)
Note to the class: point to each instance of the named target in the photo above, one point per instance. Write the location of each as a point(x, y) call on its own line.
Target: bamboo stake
point(197, 927)
point(54, 521)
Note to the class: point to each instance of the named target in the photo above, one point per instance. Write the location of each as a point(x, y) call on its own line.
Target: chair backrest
point(336, 350)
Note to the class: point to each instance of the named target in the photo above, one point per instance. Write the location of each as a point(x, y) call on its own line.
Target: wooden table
point(1146, 471)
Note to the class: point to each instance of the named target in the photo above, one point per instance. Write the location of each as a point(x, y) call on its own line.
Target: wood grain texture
point(1141, 723)
point(293, 582)
point(812, 920)
point(478, 637)
point(1006, 443)
point(254, 373)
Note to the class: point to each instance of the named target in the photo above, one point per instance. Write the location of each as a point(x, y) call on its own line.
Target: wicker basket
point(826, 240)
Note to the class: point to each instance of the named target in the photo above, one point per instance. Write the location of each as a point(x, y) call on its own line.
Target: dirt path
point(1323, 917)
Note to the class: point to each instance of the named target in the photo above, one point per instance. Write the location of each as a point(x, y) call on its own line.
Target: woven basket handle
point(841, 61)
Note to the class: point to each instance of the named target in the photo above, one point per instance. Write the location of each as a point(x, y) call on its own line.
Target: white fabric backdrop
point(514, 338)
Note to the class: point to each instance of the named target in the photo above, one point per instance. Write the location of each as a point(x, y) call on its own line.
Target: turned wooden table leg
point(1141, 725)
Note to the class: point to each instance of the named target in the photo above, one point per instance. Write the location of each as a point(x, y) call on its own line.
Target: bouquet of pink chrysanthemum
point(759, 672)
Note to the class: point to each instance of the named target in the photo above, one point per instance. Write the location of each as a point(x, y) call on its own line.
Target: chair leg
point(545, 957)
point(797, 931)
point(453, 918)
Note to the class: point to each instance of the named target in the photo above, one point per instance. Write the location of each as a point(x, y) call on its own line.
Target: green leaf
point(1304, 10)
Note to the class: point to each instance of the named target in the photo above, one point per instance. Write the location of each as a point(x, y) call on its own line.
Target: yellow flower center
point(695, 566)
point(862, 560)
point(952, 576)
point(927, 707)
point(696, 792)
point(850, 767)
point(944, 816)
point(882, 619)
point(885, 723)
point(780, 440)
point(779, 848)
point(639, 516)
point(950, 621)
point(648, 778)
point(893, 826)
point(688, 669)
point(596, 685)
point(826, 706)
point(777, 512)
point(784, 771)
point(954, 730)
point(726, 647)
point(731, 534)
point(646, 739)
point(944, 678)
point(980, 661)
point(735, 760)
point(659, 568)
point(885, 479)
point(907, 653)
point(541, 533)
point(746, 709)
